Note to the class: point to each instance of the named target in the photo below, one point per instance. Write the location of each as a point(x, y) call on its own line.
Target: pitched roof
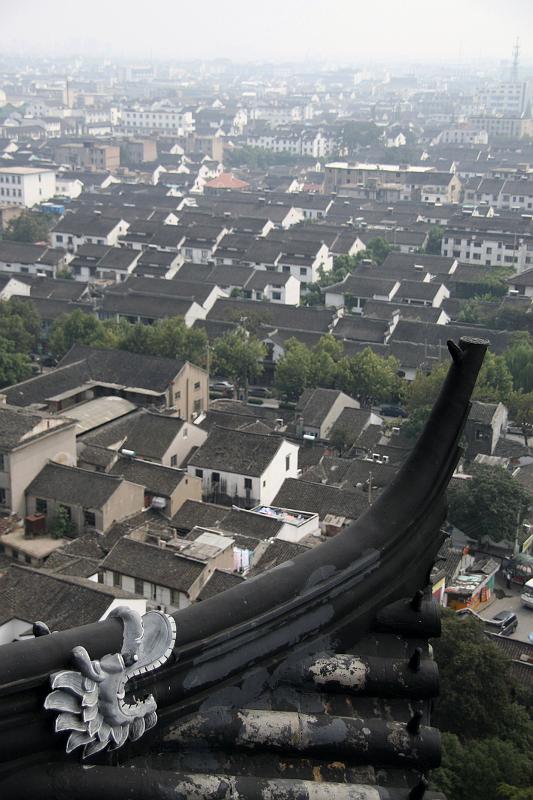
point(236, 451)
point(151, 563)
point(74, 486)
point(18, 426)
point(219, 582)
point(277, 552)
point(303, 495)
point(315, 404)
point(60, 601)
point(147, 433)
point(124, 368)
point(195, 513)
point(156, 479)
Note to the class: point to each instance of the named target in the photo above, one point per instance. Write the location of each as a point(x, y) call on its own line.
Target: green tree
point(140, 339)
point(239, 356)
point(20, 323)
point(494, 383)
point(28, 227)
point(519, 359)
point(173, 339)
point(491, 503)
point(506, 792)
point(521, 410)
point(62, 525)
point(292, 370)
point(77, 327)
point(477, 768)
point(414, 424)
point(369, 377)
point(14, 367)
point(434, 242)
point(377, 249)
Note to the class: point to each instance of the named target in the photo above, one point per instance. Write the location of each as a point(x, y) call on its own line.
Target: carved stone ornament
point(91, 700)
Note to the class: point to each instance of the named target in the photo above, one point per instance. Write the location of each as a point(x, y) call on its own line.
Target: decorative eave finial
point(91, 699)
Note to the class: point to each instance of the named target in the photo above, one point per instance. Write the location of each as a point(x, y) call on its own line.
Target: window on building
point(197, 386)
point(2, 462)
point(3, 498)
point(248, 484)
point(276, 295)
point(199, 473)
point(41, 506)
point(139, 586)
point(287, 462)
point(89, 518)
point(197, 406)
point(215, 477)
point(174, 461)
point(116, 578)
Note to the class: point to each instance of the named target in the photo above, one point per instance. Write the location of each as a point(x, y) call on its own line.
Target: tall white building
point(509, 99)
point(157, 120)
point(26, 186)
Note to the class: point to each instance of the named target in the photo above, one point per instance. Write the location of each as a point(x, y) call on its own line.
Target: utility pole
point(370, 488)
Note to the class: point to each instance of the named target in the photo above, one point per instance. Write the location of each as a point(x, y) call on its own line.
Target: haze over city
point(266, 400)
point(299, 30)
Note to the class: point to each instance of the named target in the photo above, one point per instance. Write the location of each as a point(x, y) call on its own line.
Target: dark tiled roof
point(151, 563)
point(352, 421)
point(236, 451)
point(155, 478)
point(122, 367)
point(147, 433)
point(73, 486)
point(302, 318)
point(257, 526)
point(277, 552)
point(17, 424)
point(482, 412)
point(60, 601)
point(315, 404)
point(195, 513)
point(219, 582)
point(320, 499)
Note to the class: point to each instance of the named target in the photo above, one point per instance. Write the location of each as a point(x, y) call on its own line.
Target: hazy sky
point(289, 30)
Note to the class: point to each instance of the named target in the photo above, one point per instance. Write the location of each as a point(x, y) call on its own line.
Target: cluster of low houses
point(121, 483)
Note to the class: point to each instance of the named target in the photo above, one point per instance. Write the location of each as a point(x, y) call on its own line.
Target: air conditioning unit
point(128, 453)
point(395, 429)
point(385, 459)
point(158, 503)
point(376, 457)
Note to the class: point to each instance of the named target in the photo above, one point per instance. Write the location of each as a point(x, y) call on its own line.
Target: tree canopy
point(491, 503)
point(238, 355)
point(169, 338)
point(494, 383)
point(28, 227)
point(487, 736)
point(521, 410)
point(292, 370)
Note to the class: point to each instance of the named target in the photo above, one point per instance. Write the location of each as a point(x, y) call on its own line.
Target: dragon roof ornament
point(91, 700)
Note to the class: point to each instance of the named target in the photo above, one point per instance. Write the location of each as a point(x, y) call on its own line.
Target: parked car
point(259, 391)
point(222, 386)
point(393, 411)
point(506, 620)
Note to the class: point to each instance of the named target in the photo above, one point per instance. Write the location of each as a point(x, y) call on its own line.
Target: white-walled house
point(75, 230)
point(26, 186)
point(32, 594)
point(243, 468)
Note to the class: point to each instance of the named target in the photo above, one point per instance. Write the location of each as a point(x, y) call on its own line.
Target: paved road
point(512, 601)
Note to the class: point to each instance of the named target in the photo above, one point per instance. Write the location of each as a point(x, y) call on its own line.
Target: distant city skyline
point(348, 31)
